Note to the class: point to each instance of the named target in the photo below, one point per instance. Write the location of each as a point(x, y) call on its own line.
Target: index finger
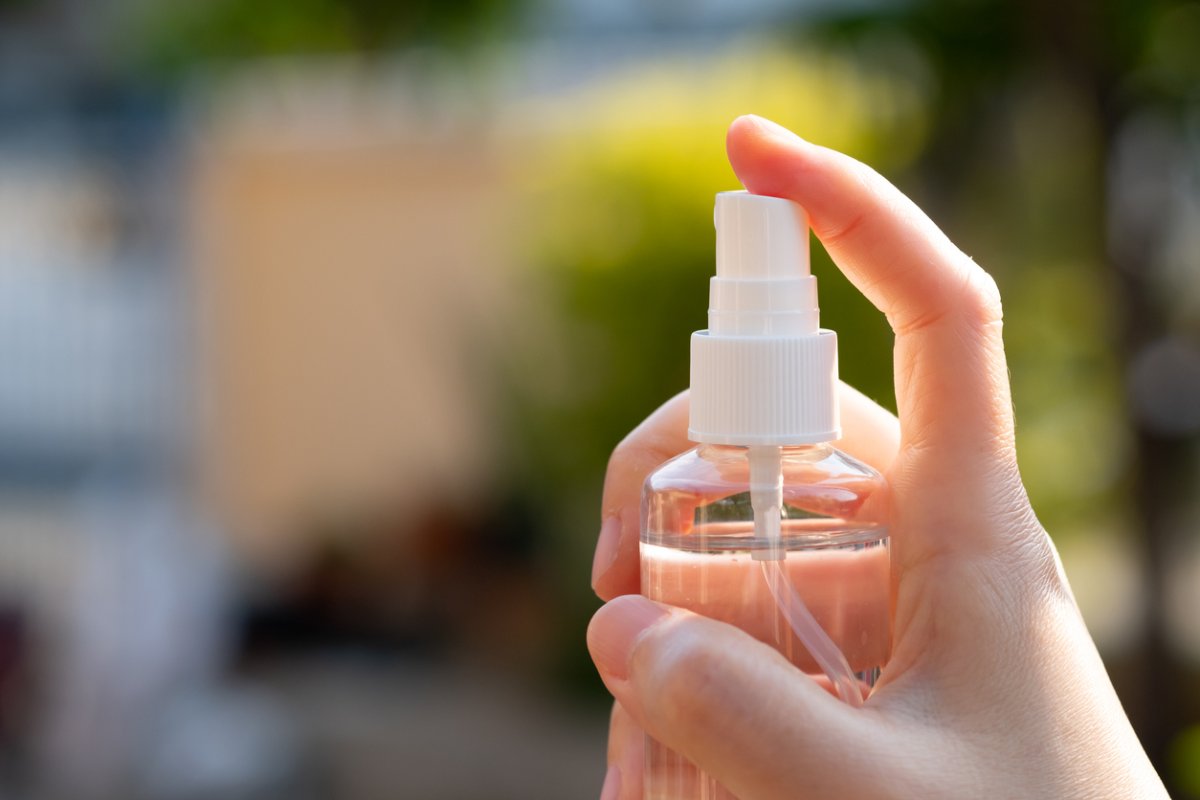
point(951, 376)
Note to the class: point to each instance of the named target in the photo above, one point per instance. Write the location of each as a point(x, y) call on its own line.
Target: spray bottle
point(765, 525)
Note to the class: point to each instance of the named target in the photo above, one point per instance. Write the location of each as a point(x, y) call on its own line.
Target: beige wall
point(345, 269)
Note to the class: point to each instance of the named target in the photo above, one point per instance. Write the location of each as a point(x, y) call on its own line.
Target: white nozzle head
point(763, 286)
point(760, 237)
point(764, 373)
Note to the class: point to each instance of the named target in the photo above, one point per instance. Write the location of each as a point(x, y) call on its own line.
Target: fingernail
point(612, 784)
point(607, 547)
point(615, 629)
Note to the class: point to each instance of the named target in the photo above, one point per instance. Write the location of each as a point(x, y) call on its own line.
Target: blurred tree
point(169, 38)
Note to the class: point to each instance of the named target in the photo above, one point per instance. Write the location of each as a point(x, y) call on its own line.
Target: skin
point(994, 687)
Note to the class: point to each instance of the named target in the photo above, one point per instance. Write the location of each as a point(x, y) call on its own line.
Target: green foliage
point(1185, 761)
point(168, 38)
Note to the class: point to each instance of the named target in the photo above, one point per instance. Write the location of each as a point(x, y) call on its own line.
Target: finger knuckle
point(637, 453)
point(981, 295)
point(623, 460)
point(621, 452)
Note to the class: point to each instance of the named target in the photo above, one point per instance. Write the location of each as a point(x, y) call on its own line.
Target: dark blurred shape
point(16, 685)
point(457, 579)
point(1164, 382)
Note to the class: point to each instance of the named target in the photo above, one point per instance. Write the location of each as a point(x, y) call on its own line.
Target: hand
point(994, 687)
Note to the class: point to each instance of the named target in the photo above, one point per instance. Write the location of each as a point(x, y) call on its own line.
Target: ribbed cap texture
point(759, 390)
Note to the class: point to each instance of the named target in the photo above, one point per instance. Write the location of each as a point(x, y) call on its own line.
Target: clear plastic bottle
point(765, 525)
point(698, 537)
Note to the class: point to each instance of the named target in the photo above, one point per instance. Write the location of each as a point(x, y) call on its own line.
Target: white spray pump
point(764, 376)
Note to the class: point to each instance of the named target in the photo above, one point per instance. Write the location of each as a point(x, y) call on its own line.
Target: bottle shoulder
point(819, 481)
point(729, 466)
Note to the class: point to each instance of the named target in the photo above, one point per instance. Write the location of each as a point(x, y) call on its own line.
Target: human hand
point(994, 687)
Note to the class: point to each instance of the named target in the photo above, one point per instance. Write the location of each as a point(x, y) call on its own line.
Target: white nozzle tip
point(760, 237)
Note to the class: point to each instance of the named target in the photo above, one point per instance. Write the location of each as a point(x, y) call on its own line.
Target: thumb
point(727, 702)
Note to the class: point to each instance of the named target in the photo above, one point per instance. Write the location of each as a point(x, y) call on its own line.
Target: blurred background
point(319, 319)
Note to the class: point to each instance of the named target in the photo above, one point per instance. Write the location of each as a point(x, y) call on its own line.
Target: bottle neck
point(768, 308)
point(791, 452)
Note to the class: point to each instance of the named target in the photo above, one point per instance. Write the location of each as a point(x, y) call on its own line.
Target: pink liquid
point(697, 540)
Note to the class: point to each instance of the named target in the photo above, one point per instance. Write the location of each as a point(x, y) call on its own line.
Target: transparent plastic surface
point(697, 540)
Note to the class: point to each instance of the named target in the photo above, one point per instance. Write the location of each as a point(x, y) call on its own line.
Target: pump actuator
point(765, 372)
